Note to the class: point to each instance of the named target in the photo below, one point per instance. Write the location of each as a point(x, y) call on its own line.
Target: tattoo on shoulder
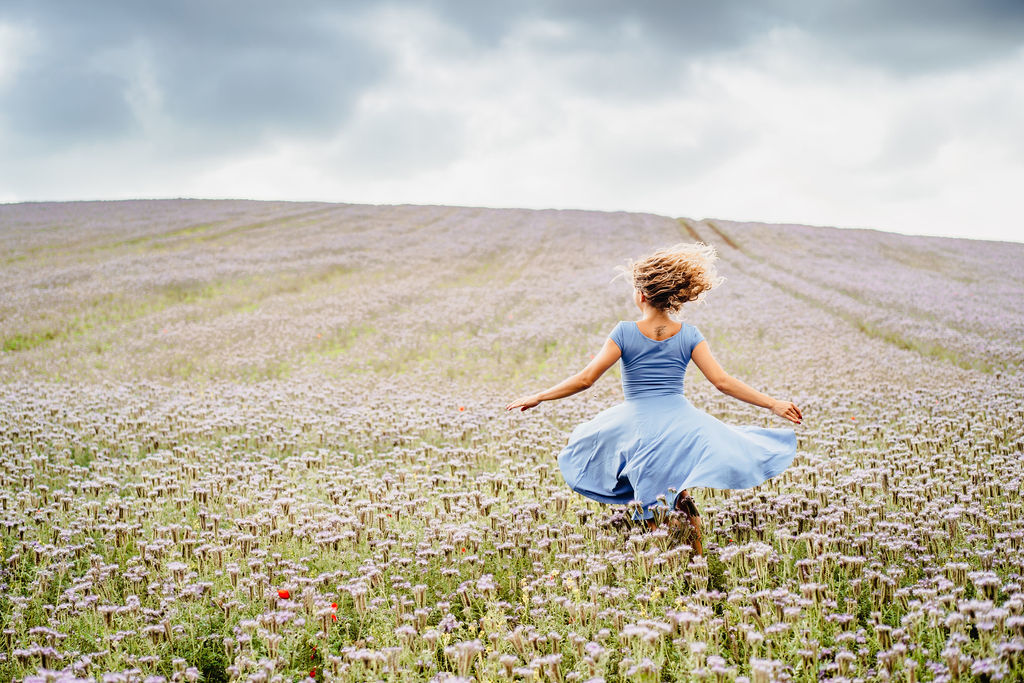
point(659, 330)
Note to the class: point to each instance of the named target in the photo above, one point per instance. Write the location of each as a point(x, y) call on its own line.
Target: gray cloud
point(918, 37)
point(909, 37)
point(680, 28)
point(60, 103)
point(228, 73)
point(221, 73)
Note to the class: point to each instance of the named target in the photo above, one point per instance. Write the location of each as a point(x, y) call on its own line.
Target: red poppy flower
point(283, 594)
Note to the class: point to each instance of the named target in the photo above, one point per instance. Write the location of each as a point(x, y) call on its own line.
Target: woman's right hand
point(524, 403)
point(787, 410)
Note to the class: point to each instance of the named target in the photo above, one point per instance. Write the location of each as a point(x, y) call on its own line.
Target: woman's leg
point(698, 534)
point(685, 504)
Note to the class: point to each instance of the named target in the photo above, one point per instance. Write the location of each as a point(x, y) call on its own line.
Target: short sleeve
point(695, 338)
point(617, 335)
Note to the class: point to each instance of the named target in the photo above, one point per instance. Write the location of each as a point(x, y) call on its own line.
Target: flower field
point(259, 441)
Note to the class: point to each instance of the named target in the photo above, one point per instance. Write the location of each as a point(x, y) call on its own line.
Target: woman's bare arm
point(583, 379)
point(731, 386)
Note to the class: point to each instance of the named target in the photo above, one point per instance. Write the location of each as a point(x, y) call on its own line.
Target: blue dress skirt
point(658, 443)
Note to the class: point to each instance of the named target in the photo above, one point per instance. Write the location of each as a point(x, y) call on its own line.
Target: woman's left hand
point(524, 403)
point(787, 410)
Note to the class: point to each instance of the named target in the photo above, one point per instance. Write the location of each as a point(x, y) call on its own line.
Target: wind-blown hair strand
point(676, 275)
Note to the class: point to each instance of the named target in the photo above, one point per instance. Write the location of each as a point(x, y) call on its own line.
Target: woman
point(656, 443)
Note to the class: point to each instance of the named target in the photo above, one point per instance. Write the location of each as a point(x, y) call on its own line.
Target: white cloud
point(859, 149)
point(15, 44)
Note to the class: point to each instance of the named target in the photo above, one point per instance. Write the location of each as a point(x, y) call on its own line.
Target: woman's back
point(651, 367)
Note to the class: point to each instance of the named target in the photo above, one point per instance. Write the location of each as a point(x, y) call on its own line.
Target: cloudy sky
point(902, 116)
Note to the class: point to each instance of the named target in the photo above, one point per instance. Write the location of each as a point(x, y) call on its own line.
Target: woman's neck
point(654, 315)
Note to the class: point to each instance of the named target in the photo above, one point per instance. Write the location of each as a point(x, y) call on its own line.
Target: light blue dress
point(656, 440)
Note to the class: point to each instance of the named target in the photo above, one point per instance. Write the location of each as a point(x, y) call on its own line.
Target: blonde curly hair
point(673, 276)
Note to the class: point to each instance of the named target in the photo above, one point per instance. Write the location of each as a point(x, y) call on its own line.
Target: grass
point(30, 340)
point(721, 234)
